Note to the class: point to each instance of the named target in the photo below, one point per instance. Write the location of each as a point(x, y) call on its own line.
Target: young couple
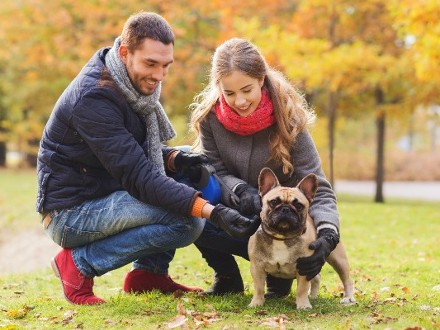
point(106, 188)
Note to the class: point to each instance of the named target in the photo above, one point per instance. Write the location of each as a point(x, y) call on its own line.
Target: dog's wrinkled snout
point(285, 210)
point(286, 219)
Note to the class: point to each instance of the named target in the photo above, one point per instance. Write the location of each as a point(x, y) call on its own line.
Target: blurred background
point(369, 68)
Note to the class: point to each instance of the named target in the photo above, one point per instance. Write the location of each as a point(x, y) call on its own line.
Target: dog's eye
point(297, 205)
point(274, 202)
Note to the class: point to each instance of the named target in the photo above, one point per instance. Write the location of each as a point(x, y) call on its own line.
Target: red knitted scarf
point(258, 120)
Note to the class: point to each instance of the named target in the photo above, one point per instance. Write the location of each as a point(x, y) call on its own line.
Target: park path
point(415, 190)
point(27, 251)
point(31, 250)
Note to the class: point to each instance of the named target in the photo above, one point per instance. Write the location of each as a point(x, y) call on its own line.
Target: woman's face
point(241, 92)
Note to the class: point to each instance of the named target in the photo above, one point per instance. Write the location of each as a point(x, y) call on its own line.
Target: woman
point(249, 117)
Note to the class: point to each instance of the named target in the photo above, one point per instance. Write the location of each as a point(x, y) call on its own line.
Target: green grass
point(393, 250)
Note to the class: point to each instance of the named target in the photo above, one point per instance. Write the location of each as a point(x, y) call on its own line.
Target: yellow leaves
point(420, 21)
point(18, 313)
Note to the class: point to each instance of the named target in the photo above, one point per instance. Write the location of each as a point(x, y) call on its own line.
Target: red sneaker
point(77, 288)
point(138, 281)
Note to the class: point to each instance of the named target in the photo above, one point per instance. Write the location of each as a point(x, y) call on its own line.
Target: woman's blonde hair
point(290, 107)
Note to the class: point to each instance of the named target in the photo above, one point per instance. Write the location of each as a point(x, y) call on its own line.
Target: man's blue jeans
point(107, 233)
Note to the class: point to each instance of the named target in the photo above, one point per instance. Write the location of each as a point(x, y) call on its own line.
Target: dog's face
point(284, 209)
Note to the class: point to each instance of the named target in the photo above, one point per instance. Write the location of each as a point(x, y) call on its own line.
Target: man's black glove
point(250, 200)
point(323, 246)
point(233, 223)
point(189, 164)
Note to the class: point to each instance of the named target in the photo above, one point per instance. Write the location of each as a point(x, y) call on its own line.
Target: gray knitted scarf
point(158, 126)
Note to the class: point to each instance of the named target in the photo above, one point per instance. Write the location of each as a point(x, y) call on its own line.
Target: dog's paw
point(348, 301)
point(256, 302)
point(304, 306)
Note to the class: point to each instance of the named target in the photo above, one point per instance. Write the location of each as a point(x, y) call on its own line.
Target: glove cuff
point(242, 187)
point(214, 214)
point(331, 237)
point(171, 160)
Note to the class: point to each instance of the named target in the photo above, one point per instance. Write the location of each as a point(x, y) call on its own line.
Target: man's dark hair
point(146, 25)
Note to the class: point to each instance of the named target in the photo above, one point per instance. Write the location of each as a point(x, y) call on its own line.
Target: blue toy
point(209, 185)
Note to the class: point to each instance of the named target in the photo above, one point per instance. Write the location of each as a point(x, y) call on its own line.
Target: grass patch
point(393, 251)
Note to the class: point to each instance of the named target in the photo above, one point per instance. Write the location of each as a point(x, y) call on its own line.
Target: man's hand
point(233, 223)
point(250, 200)
point(189, 164)
point(323, 246)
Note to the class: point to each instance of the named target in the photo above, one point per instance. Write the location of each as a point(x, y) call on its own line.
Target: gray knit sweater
point(239, 159)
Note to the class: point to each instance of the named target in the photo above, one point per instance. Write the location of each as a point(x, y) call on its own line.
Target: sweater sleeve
point(306, 160)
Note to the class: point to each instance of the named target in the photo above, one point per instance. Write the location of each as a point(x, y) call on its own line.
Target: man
point(104, 194)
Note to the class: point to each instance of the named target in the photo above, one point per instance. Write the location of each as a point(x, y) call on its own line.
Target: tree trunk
point(2, 154)
point(331, 114)
point(31, 157)
point(380, 155)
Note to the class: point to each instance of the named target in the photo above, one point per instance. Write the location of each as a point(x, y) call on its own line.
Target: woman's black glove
point(323, 246)
point(232, 222)
point(190, 164)
point(250, 200)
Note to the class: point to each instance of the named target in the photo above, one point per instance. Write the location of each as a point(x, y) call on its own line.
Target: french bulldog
point(284, 235)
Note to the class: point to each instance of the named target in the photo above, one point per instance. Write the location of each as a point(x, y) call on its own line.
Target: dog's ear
point(267, 180)
point(308, 186)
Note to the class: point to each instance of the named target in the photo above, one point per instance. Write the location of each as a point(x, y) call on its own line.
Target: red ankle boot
point(78, 289)
point(138, 281)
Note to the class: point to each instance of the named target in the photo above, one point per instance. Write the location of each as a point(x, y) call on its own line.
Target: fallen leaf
point(270, 323)
point(261, 312)
point(377, 318)
point(19, 313)
point(390, 300)
point(70, 313)
point(16, 313)
point(435, 324)
point(205, 318)
point(276, 322)
point(178, 321)
point(406, 290)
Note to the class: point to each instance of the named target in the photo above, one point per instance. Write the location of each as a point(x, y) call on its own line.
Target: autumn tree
point(347, 57)
point(56, 38)
point(43, 53)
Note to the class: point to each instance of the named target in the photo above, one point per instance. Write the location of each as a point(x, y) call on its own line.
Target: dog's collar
point(274, 236)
